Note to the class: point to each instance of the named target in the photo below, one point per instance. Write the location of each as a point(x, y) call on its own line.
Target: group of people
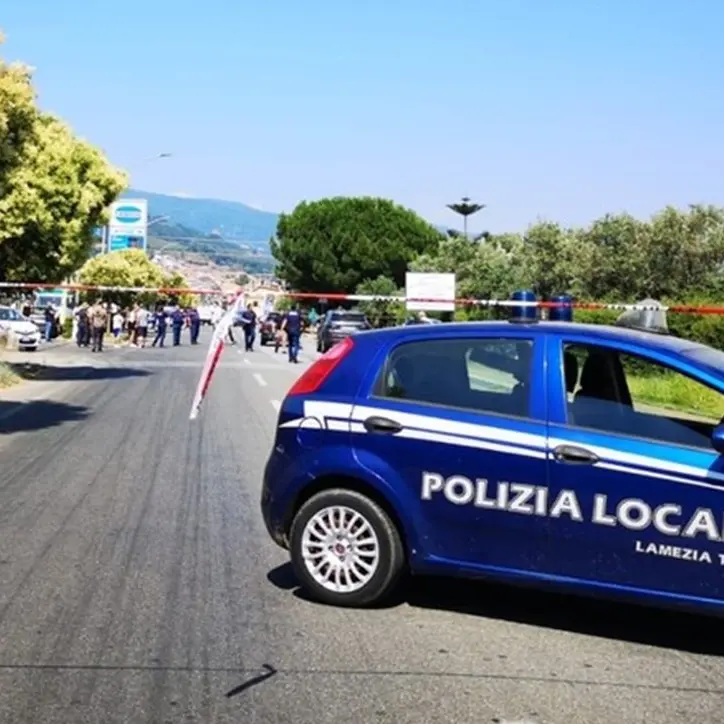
point(93, 321)
point(290, 325)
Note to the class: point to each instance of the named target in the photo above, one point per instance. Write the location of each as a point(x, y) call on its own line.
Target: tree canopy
point(332, 245)
point(131, 268)
point(54, 187)
point(675, 256)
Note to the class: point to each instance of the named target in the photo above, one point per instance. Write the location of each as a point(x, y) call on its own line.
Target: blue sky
point(538, 108)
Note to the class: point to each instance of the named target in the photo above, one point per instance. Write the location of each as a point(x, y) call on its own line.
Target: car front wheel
point(345, 550)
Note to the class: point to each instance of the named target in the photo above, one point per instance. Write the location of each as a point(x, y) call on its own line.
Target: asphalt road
point(137, 584)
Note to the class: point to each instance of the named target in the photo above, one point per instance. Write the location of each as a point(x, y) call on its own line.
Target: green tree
point(54, 188)
point(129, 268)
point(553, 259)
point(382, 312)
point(18, 115)
point(487, 269)
point(178, 281)
point(334, 244)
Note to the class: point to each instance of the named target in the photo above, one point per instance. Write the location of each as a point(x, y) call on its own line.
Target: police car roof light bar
point(526, 311)
point(317, 374)
point(651, 318)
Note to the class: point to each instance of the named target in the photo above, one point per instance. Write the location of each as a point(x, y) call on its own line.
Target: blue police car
point(585, 457)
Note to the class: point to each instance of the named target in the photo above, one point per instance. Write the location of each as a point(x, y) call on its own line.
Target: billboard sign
point(437, 289)
point(128, 225)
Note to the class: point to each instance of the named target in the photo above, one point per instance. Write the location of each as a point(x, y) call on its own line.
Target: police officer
point(159, 319)
point(194, 325)
point(177, 322)
point(292, 325)
point(249, 321)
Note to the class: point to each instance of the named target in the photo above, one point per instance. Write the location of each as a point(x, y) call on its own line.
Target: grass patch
point(677, 393)
point(668, 391)
point(8, 376)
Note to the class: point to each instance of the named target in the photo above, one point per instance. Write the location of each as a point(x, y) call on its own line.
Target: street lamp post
point(465, 208)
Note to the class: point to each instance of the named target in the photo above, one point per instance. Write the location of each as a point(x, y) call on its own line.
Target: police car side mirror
point(717, 439)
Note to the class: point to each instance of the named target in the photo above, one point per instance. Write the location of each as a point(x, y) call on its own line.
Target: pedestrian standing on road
point(117, 327)
point(49, 323)
point(177, 323)
point(194, 325)
point(292, 325)
point(248, 323)
point(82, 334)
point(131, 325)
point(141, 326)
point(160, 323)
point(98, 321)
point(313, 319)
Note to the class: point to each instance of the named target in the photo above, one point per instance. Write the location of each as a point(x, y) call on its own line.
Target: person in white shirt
point(117, 325)
point(142, 319)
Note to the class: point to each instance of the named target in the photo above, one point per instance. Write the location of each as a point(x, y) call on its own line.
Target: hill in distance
point(229, 220)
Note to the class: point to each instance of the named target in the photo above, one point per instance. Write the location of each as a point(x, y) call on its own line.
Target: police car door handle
point(575, 455)
point(382, 425)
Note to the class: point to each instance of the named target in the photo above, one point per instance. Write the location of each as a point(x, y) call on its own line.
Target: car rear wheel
point(345, 550)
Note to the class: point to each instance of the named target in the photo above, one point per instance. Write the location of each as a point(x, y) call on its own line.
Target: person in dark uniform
point(248, 320)
point(292, 325)
point(82, 337)
point(177, 323)
point(194, 325)
point(159, 319)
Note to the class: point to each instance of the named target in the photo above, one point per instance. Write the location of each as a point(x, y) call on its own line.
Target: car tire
point(387, 568)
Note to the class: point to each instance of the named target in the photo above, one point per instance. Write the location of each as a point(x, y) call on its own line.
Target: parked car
point(26, 333)
point(337, 325)
point(587, 458)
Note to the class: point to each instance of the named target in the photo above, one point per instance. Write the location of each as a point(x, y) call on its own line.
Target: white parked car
point(24, 331)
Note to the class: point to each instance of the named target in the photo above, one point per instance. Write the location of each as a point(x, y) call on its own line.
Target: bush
point(67, 328)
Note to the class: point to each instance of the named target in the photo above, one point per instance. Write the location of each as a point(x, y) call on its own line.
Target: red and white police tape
point(336, 297)
point(509, 303)
point(102, 288)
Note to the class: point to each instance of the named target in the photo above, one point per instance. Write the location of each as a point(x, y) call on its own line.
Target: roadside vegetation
point(8, 377)
point(54, 187)
point(365, 245)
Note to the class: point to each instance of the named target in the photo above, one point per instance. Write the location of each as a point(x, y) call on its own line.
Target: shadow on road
point(73, 372)
point(592, 617)
point(38, 415)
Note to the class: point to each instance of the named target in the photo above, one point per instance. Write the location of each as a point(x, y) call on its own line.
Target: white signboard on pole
point(128, 225)
point(422, 285)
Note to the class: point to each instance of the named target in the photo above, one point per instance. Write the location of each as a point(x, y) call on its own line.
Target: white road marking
point(260, 379)
point(276, 405)
point(246, 361)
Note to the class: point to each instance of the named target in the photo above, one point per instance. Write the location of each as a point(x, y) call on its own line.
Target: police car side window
point(482, 375)
point(631, 395)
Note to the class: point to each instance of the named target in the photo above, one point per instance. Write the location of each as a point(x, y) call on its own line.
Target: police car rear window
point(481, 375)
